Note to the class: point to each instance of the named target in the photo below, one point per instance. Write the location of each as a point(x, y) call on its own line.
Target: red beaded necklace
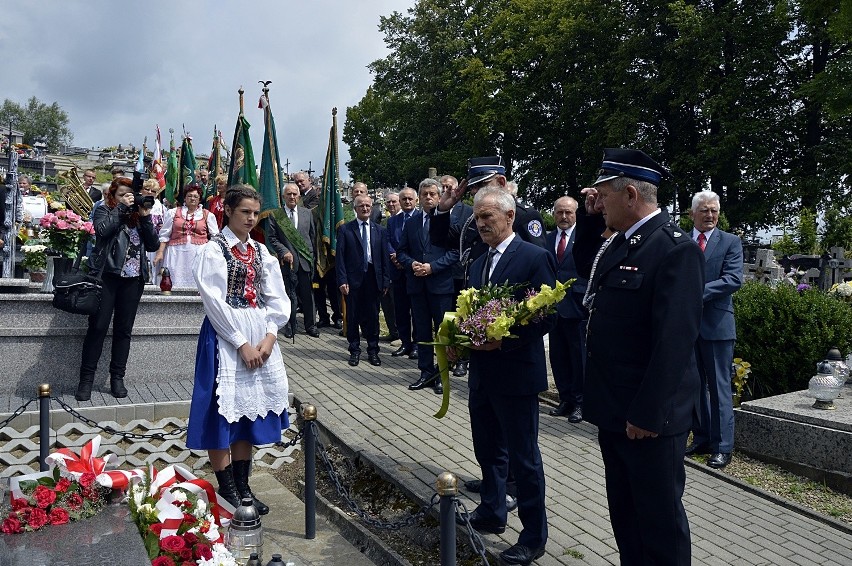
point(247, 258)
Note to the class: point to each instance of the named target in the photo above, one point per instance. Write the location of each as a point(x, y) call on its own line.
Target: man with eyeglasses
point(309, 195)
point(89, 178)
point(402, 303)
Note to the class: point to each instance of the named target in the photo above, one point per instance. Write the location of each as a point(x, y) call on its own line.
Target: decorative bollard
point(309, 414)
point(447, 486)
point(43, 425)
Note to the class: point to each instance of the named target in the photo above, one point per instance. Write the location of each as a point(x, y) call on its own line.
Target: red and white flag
point(157, 166)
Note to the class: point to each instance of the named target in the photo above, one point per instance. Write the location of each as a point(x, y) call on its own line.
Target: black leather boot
point(241, 476)
point(227, 487)
point(84, 388)
point(116, 385)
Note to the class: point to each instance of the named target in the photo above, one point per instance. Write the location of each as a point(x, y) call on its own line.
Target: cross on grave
point(764, 269)
point(837, 268)
point(802, 268)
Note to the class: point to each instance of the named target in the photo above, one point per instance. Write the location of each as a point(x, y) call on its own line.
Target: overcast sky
point(118, 68)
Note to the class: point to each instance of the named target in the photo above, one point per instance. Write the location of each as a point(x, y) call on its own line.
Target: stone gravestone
point(803, 268)
point(764, 269)
point(837, 269)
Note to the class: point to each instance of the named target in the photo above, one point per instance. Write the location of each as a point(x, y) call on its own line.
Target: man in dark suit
point(358, 189)
point(429, 282)
point(567, 337)
point(293, 237)
point(387, 301)
point(402, 302)
point(307, 193)
point(363, 272)
point(723, 274)
point(645, 300)
point(505, 378)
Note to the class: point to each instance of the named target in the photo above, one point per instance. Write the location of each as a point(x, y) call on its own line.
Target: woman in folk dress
point(239, 399)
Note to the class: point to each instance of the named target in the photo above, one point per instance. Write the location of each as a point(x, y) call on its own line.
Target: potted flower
point(35, 261)
point(65, 233)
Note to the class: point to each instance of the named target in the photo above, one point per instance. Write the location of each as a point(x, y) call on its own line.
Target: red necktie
point(560, 249)
point(702, 241)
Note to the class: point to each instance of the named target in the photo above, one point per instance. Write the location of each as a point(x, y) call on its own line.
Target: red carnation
point(18, 504)
point(156, 528)
point(58, 516)
point(37, 518)
point(172, 543)
point(190, 538)
point(44, 496)
point(74, 501)
point(162, 561)
point(62, 485)
point(92, 494)
point(185, 553)
point(11, 525)
point(189, 519)
point(202, 551)
point(87, 479)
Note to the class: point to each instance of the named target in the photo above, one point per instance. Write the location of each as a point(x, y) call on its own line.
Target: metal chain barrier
point(17, 413)
point(293, 441)
point(343, 492)
point(472, 535)
point(179, 431)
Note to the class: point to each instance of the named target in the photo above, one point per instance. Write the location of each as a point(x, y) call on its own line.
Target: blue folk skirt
point(207, 429)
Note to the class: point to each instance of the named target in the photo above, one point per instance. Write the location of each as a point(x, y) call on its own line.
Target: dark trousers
point(362, 310)
point(389, 312)
point(715, 428)
point(504, 429)
point(566, 359)
point(428, 310)
point(305, 299)
point(402, 311)
point(119, 302)
point(327, 290)
point(644, 486)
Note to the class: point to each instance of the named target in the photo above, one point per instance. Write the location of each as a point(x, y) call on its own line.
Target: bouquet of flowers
point(179, 518)
point(65, 232)
point(53, 499)
point(487, 315)
point(841, 291)
point(35, 257)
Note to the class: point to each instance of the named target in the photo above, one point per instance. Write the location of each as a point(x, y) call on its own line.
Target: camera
point(140, 200)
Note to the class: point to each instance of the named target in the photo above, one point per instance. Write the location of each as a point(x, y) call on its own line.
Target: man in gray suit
point(293, 237)
point(714, 350)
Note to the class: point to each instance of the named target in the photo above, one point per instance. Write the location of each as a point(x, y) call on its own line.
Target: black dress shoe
point(313, 332)
point(480, 524)
point(520, 554)
point(323, 324)
point(576, 415)
point(413, 355)
point(287, 332)
point(438, 387)
point(473, 486)
point(561, 410)
point(401, 351)
point(694, 449)
point(511, 503)
point(374, 360)
point(354, 359)
point(461, 368)
point(337, 324)
point(427, 378)
point(719, 460)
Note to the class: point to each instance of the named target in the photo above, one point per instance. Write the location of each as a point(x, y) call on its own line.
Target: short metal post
point(43, 425)
point(448, 488)
point(309, 414)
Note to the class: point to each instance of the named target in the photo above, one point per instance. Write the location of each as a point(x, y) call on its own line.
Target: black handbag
point(77, 293)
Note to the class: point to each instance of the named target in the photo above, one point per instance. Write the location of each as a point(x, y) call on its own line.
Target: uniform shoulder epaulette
point(676, 233)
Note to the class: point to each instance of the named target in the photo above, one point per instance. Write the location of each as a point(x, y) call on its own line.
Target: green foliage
point(838, 230)
point(38, 121)
point(802, 239)
point(784, 333)
point(549, 221)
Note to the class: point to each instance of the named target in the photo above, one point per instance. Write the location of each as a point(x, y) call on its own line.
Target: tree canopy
point(747, 97)
point(38, 121)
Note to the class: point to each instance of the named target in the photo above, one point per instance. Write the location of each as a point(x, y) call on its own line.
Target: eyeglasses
point(89, 176)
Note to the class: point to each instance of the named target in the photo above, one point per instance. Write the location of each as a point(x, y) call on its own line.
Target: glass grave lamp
point(824, 386)
point(245, 533)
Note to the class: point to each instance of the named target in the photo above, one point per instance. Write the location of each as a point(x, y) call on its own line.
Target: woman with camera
point(185, 231)
point(239, 398)
point(124, 233)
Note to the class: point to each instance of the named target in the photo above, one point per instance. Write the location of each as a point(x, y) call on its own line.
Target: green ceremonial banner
point(213, 166)
point(187, 167)
point(330, 207)
point(171, 172)
point(270, 172)
point(242, 169)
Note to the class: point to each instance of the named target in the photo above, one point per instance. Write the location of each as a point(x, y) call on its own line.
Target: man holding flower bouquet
point(506, 377)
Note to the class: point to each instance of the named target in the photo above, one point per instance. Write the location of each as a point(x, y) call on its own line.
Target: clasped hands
point(255, 356)
point(421, 269)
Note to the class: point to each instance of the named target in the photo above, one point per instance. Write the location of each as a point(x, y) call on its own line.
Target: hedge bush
point(784, 332)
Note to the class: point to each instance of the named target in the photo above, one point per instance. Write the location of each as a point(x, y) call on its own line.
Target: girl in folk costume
point(216, 203)
point(240, 394)
point(150, 188)
point(185, 231)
